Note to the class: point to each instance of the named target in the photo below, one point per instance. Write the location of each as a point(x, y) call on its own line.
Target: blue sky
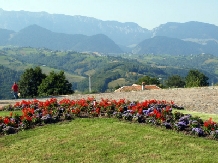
point(146, 13)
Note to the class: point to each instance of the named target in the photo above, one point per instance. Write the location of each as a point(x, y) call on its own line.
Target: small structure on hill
point(136, 87)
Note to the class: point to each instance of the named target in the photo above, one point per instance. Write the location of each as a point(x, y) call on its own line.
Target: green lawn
point(203, 116)
point(105, 140)
point(7, 113)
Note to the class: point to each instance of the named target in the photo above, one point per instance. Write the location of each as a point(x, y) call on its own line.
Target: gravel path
point(203, 99)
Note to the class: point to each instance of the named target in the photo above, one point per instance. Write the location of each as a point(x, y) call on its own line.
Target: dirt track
point(204, 99)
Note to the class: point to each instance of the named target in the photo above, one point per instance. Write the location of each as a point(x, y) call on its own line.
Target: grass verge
point(203, 116)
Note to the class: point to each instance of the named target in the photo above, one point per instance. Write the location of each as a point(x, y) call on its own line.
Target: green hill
point(106, 72)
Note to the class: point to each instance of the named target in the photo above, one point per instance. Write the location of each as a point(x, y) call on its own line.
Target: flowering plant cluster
point(153, 112)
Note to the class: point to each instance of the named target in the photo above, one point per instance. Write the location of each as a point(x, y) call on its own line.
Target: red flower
point(98, 110)
point(28, 118)
point(168, 108)
point(140, 110)
point(172, 102)
point(6, 120)
point(209, 124)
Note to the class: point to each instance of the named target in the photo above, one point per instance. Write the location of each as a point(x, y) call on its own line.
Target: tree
point(29, 82)
point(196, 79)
point(148, 80)
point(55, 84)
point(175, 81)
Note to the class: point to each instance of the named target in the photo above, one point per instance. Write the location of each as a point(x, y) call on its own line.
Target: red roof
point(136, 87)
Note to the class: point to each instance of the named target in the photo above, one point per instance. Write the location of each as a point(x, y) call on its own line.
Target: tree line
point(194, 78)
point(33, 83)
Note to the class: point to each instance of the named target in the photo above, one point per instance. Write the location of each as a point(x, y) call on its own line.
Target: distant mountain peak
point(192, 29)
point(127, 34)
point(122, 33)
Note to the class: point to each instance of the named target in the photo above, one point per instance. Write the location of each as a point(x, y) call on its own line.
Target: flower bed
point(153, 112)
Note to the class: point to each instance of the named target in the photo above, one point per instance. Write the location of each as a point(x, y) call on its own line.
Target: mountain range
point(86, 34)
point(36, 36)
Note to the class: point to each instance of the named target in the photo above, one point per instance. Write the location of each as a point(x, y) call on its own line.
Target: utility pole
point(90, 90)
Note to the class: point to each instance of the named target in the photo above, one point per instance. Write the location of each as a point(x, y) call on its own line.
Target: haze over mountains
point(86, 34)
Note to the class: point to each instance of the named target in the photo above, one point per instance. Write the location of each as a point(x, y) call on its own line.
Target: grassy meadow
point(105, 140)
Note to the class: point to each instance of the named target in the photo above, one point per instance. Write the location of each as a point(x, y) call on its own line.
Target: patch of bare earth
point(201, 99)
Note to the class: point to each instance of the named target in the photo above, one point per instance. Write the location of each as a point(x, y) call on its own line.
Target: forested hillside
point(105, 72)
point(7, 78)
point(181, 64)
point(102, 69)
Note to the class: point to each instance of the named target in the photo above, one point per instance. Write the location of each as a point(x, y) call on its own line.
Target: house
point(136, 87)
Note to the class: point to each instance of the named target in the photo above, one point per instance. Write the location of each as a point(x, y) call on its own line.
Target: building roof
point(136, 87)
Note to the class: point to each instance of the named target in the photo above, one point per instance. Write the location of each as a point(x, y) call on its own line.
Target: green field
point(118, 82)
point(70, 77)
